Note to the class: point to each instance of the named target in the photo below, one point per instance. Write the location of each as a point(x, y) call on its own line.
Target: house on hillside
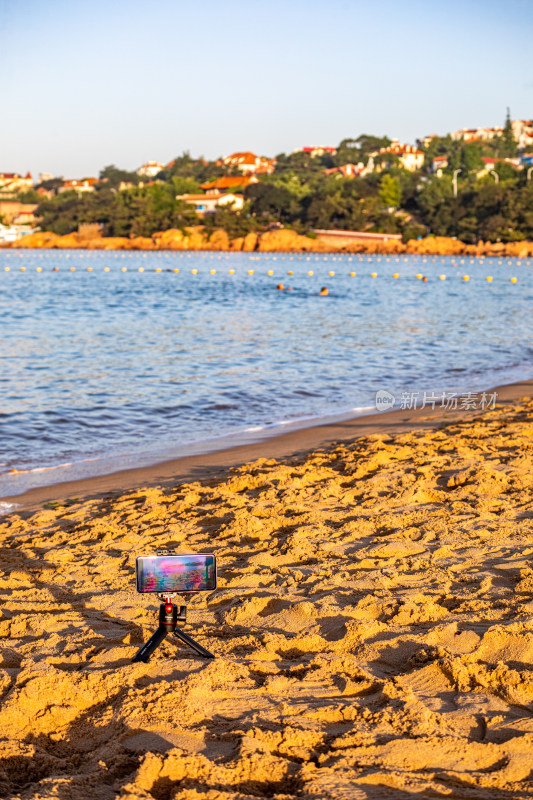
point(316, 152)
point(523, 132)
point(13, 182)
point(249, 163)
point(150, 169)
point(347, 170)
point(425, 141)
point(477, 134)
point(13, 212)
point(490, 163)
point(26, 214)
point(209, 202)
point(409, 156)
point(438, 164)
point(81, 187)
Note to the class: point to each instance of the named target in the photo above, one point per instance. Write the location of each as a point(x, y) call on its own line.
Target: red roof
point(241, 157)
point(228, 182)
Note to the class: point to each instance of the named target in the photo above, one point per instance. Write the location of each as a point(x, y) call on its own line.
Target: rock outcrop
point(276, 241)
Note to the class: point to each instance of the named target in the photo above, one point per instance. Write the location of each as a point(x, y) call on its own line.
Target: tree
point(471, 160)
point(390, 192)
point(113, 176)
point(273, 202)
point(508, 146)
point(371, 144)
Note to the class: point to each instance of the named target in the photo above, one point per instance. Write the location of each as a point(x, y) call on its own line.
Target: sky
point(87, 83)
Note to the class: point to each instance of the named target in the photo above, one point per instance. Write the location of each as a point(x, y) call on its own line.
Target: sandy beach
point(373, 624)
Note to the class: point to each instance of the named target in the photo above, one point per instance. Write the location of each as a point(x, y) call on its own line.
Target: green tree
point(471, 160)
point(272, 202)
point(507, 145)
point(371, 144)
point(390, 192)
point(112, 176)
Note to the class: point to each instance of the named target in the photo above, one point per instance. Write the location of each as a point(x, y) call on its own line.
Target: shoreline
point(282, 240)
point(294, 444)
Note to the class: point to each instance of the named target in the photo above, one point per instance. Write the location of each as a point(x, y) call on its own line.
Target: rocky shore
point(282, 240)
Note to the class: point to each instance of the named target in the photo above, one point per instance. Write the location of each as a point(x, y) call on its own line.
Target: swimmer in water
point(324, 291)
point(424, 279)
point(280, 286)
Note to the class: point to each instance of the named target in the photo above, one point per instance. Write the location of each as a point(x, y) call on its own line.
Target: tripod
point(168, 619)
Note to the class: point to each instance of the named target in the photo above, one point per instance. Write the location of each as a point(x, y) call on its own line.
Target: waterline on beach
point(123, 366)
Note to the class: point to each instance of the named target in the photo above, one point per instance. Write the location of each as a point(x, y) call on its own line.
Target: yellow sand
point(373, 630)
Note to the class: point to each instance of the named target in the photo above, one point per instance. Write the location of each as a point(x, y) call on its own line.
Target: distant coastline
point(280, 240)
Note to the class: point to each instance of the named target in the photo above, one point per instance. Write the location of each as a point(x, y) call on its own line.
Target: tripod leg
point(148, 647)
point(191, 642)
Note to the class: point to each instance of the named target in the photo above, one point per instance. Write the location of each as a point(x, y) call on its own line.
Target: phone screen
point(187, 573)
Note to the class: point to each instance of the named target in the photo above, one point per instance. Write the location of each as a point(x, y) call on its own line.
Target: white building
point(81, 187)
point(11, 233)
point(249, 163)
point(14, 182)
point(438, 164)
point(408, 155)
point(316, 152)
point(150, 169)
point(523, 133)
point(477, 134)
point(209, 202)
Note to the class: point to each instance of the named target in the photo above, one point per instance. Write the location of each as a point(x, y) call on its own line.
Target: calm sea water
point(104, 369)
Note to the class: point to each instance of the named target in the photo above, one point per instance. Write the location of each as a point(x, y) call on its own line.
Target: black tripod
point(168, 619)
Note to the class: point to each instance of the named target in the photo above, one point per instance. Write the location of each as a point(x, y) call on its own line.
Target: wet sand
point(216, 463)
point(373, 625)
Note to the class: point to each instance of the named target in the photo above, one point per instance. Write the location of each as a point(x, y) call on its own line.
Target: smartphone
point(187, 573)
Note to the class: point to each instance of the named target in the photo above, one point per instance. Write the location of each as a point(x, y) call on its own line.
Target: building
point(337, 238)
point(229, 182)
point(249, 163)
point(523, 133)
point(489, 164)
point(11, 233)
point(438, 164)
point(13, 212)
point(81, 187)
point(45, 193)
point(209, 202)
point(315, 152)
point(347, 170)
point(26, 214)
point(150, 169)
point(409, 156)
point(477, 134)
point(15, 183)
point(426, 140)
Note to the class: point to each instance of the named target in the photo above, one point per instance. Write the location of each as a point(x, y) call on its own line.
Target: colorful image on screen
point(188, 573)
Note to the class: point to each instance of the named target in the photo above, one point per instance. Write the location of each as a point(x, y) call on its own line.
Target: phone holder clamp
point(169, 616)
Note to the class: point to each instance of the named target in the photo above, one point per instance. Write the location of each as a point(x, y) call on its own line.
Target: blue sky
point(85, 84)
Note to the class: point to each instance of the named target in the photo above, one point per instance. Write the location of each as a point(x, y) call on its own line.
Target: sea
point(117, 359)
